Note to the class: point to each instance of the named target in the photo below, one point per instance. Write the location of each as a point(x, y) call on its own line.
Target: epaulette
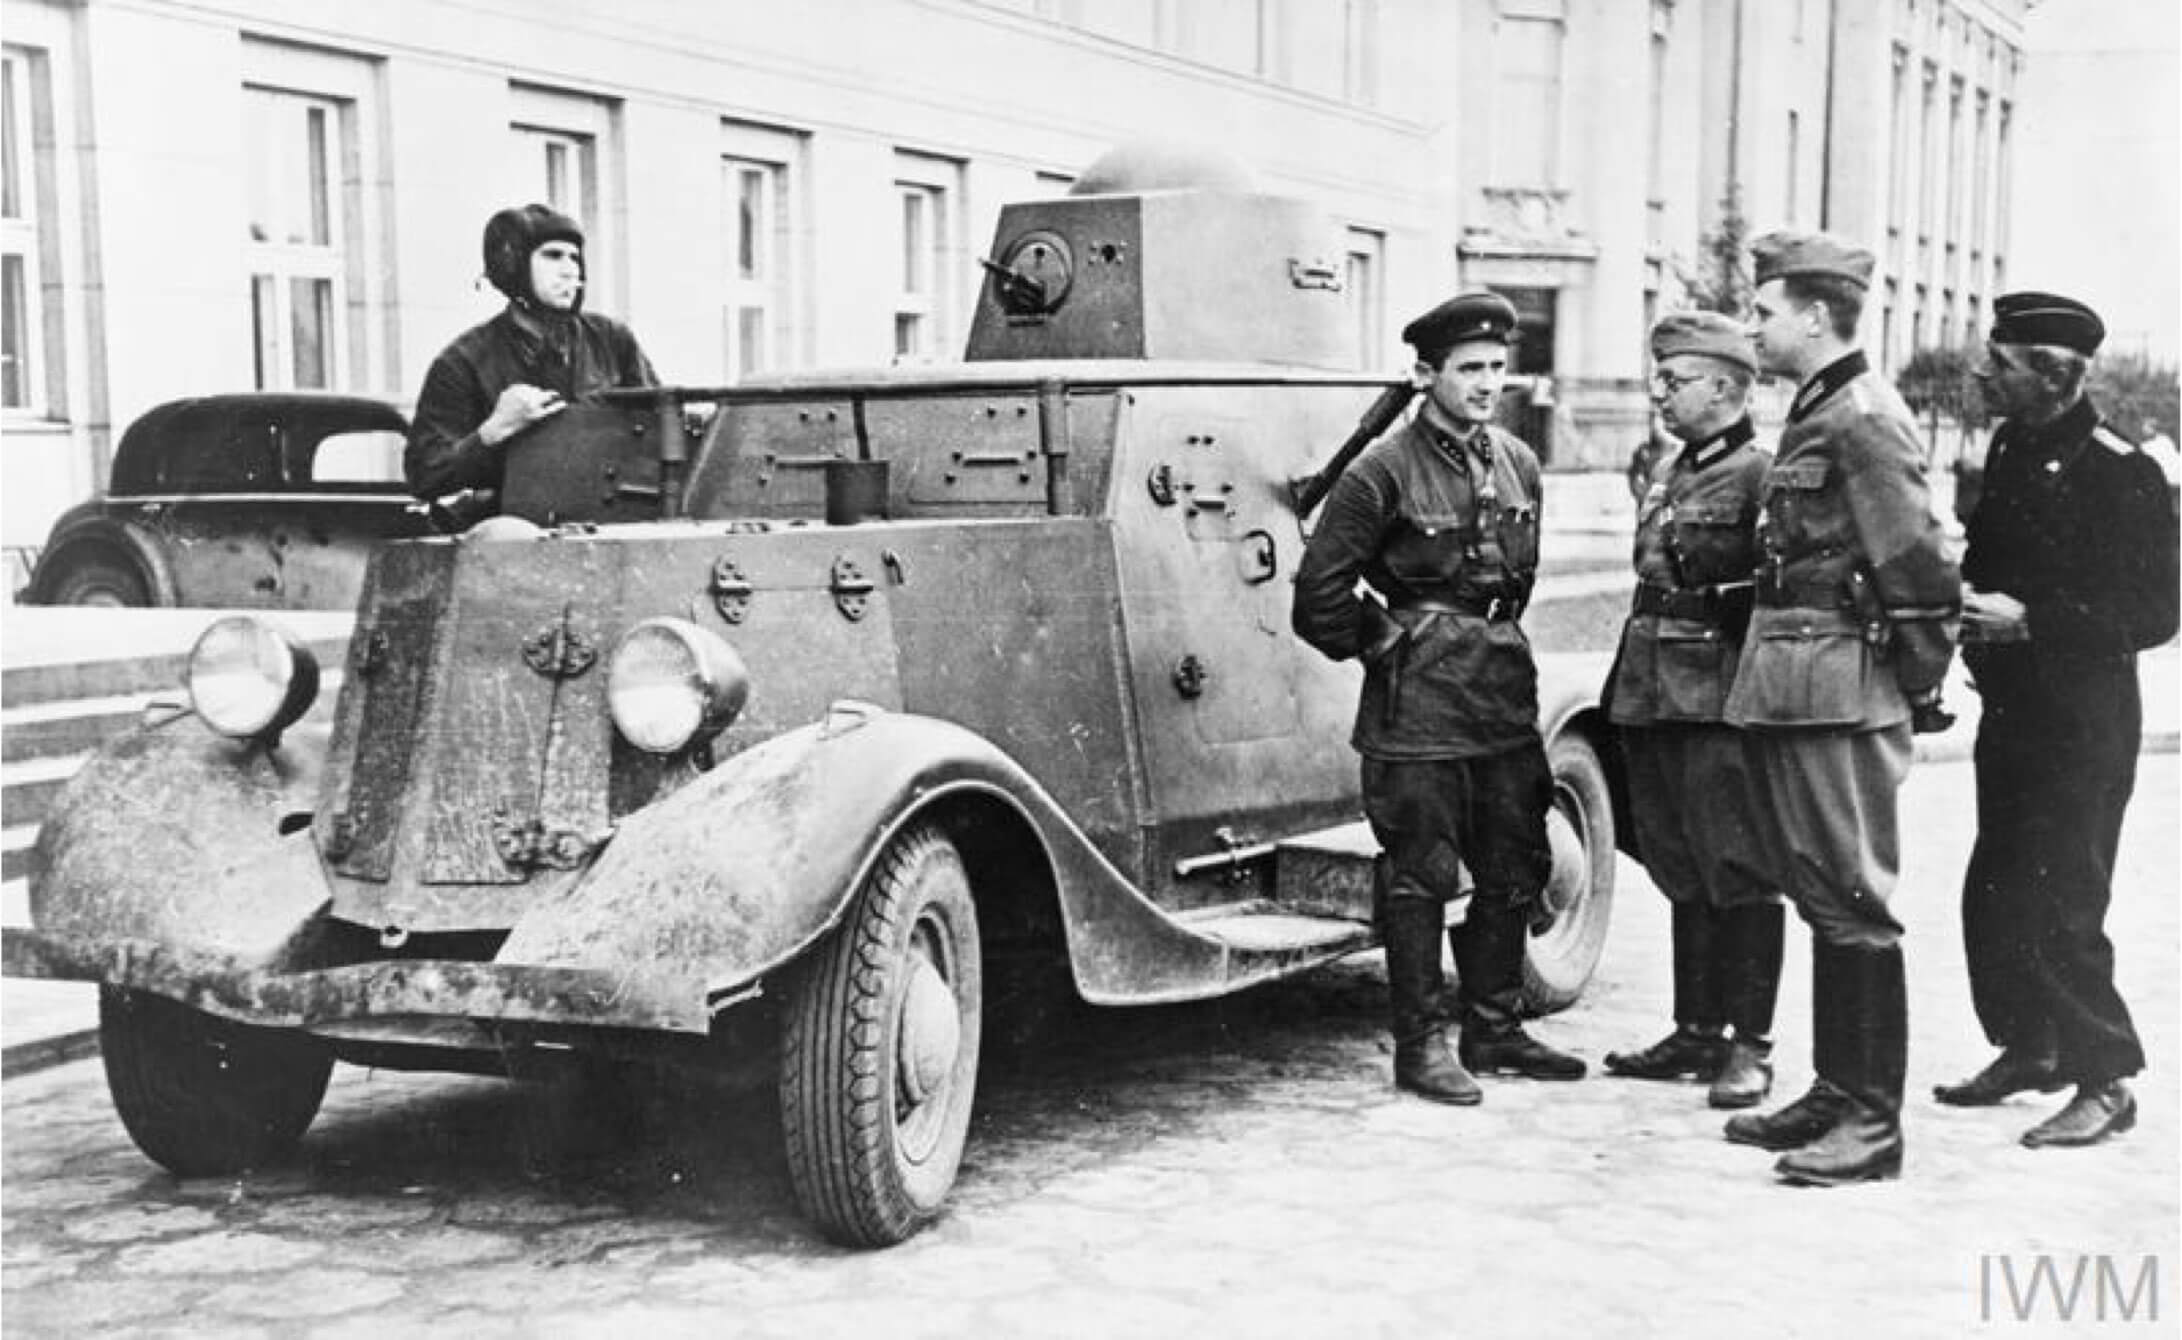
point(2113, 441)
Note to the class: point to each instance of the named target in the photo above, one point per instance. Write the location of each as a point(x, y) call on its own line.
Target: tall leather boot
point(1489, 955)
point(1808, 1118)
point(1751, 936)
point(1423, 1065)
point(1697, 1047)
point(1866, 1144)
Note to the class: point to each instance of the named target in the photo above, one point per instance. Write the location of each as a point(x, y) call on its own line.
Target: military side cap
point(2046, 318)
point(1707, 333)
point(1779, 255)
point(1466, 316)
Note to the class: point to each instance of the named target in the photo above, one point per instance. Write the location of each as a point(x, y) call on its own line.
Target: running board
point(1328, 873)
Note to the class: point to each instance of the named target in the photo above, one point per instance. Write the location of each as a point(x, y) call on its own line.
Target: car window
point(357, 458)
point(219, 456)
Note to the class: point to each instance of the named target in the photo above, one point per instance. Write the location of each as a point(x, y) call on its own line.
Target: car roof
point(234, 429)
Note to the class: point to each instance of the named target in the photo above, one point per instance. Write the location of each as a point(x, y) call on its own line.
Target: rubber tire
point(204, 1096)
point(1558, 962)
point(865, 1175)
point(100, 581)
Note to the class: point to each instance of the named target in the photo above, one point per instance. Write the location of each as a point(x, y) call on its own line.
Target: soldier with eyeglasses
point(1691, 786)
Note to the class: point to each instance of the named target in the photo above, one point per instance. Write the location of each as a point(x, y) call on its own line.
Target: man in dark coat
point(1439, 519)
point(523, 366)
point(1691, 792)
point(2071, 569)
point(1854, 628)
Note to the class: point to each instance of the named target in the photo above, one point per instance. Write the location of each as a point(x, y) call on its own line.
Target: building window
point(22, 361)
point(1231, 34)
point(1795, 169)
point(1365, 295)
point(299, 145)
point(1360, 65)
point(1532, 355)
point(564, 147)
point(315, 242)
point(1527, 81)
point(1929, 153)
point(925, 196)
point(1898, 143)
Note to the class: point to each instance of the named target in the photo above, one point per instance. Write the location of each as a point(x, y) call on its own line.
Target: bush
point(1937, 385)
point(2133, 389)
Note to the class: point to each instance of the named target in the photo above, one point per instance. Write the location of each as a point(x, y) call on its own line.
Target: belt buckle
point(1496, 608)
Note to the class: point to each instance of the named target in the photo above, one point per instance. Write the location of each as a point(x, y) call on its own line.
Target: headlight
point(249, 679)
point(670, 681)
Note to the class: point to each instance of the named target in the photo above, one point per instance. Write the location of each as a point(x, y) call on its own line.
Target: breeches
point(1434, 816)
point(1828, 806)
point(1693, 802)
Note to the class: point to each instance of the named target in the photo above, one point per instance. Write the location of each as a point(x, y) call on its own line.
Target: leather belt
point(1800, 595)
point(1496, 608)
point(1719, 604)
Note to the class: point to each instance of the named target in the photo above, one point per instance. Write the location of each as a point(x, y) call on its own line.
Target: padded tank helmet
point(512, 234)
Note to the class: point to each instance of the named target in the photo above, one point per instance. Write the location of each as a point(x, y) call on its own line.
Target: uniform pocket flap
point(1798, 475)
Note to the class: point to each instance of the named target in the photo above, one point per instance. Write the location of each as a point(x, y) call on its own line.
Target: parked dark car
point(267, 500)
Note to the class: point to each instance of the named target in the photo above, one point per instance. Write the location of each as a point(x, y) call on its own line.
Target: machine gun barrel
point(1309, 493)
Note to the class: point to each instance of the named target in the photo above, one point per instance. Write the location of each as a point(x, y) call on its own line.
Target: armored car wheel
point(879, 1062)
point(204, 1096)
point(1579, 896)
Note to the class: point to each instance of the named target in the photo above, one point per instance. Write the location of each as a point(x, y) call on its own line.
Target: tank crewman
point(1857, 604)
point(2070, 571)
point(1690, 784)
point(1439, 519)
point(524, 365)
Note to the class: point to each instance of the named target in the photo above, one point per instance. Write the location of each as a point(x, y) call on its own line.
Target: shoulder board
point(2113, 441)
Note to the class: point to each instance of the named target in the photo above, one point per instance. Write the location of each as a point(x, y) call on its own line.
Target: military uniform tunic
point(2079, 526)
point(1690, 777)
point(1445, 532)
point(1857, 604)
point(573, 354)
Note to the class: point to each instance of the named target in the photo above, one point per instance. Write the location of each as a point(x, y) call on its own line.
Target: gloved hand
point(1928, 717)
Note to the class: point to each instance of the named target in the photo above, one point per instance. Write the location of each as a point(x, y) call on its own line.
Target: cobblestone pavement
point(1241, 1168)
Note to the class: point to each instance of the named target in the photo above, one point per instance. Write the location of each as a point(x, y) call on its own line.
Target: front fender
point(91, 526)
point(743, 869)
point(170, 835)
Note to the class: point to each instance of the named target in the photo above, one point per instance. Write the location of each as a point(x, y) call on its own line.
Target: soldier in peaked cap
point(1439, 519)
point(523, 366)
point(1848, 646)
point(1690, 783)
point(2071, 567)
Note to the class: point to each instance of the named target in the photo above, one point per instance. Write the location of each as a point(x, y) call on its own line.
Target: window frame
point(278, 265)
point(24, 214)
point(924, 286)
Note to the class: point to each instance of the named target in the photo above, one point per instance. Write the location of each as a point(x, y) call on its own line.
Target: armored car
point(826, 698)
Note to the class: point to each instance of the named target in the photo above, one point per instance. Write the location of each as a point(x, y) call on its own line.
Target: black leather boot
point(1489, 955)
point(1697, 1047)
point(1866, 1144)
point(1809, 1117)
point(1423, 1065)
point(1750, 953)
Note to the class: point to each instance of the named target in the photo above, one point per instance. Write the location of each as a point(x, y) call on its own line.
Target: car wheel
point(1579, 895)
point(879, 1061)
point(205, 1096)
point(102, 581)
